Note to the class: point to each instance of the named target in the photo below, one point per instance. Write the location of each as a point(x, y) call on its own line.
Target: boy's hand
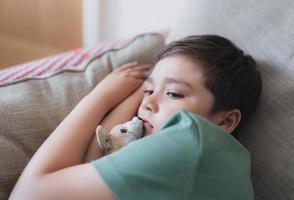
point(121, 82)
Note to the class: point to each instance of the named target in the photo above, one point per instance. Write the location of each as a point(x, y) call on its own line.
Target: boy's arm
point(120, 114)
point(55, 170)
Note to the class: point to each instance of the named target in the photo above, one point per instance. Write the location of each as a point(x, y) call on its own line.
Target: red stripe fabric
point(49, 66)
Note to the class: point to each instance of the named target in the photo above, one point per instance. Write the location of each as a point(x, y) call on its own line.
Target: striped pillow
point(46, 67)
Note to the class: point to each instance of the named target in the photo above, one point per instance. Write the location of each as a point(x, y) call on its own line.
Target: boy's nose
point(150, 104)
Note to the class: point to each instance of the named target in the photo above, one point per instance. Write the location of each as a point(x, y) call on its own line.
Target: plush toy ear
point(102, 137)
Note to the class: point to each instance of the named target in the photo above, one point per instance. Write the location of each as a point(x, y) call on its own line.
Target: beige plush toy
point(120, 135)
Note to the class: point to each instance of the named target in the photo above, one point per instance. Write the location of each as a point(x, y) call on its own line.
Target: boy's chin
point(147, 132)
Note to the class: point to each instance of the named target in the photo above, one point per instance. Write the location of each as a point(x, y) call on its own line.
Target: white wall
point(91, 22)
point(106, 20)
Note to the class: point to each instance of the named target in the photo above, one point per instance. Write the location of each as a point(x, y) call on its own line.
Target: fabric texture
point(264, 29)
point(31, 109)
point(48, 66)
point(188, 158)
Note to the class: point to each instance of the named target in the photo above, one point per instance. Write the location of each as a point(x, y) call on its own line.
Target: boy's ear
point(230, 120)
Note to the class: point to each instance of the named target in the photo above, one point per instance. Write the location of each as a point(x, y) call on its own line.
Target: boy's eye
point(174, 95)
point(149, 92)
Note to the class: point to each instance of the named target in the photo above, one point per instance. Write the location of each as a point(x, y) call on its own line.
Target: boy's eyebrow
point(169, 80)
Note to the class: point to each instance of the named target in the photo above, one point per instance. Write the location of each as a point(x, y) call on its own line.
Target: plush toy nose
point(123, 130)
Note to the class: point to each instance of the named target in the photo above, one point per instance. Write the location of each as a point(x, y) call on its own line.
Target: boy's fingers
point(146, 70)
point(134, 65)
point(143, 67)
point(140, 68)
point(139, 75)
point(128, 65)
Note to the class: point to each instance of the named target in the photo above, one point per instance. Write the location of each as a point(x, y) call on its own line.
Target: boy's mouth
point(146, 123)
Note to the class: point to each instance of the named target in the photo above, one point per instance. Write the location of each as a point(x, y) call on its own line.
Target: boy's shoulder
point(220, 159)
point(198, 125)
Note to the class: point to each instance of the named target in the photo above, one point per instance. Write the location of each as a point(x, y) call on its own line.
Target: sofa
point(36, 96)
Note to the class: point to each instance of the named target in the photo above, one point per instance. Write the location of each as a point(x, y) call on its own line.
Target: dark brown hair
point(229, 74)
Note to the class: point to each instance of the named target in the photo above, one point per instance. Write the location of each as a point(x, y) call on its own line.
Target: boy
point(200, 90)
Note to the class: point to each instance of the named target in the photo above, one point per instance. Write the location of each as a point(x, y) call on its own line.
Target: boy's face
point(176, 82)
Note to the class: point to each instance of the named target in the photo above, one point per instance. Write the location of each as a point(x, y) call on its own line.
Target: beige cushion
point(31, 109)
point(264, 29)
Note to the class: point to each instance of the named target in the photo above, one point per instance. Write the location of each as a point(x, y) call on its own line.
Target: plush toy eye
point(123, 130)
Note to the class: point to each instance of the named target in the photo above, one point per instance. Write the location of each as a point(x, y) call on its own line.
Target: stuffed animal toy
point(120, 135)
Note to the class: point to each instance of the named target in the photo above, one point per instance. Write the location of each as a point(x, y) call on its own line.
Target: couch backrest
point(264, 29)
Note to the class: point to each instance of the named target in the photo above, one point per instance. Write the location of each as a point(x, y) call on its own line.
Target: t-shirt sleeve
point(158, 166)
point(164, 165)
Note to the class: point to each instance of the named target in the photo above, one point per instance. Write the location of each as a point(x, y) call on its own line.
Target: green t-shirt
point(188, 158)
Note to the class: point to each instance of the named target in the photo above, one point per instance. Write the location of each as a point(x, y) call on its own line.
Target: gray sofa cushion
point(263, 29)
point(32, 108)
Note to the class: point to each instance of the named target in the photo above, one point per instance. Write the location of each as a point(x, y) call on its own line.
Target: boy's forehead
point(177, 70)
point(169, 80)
